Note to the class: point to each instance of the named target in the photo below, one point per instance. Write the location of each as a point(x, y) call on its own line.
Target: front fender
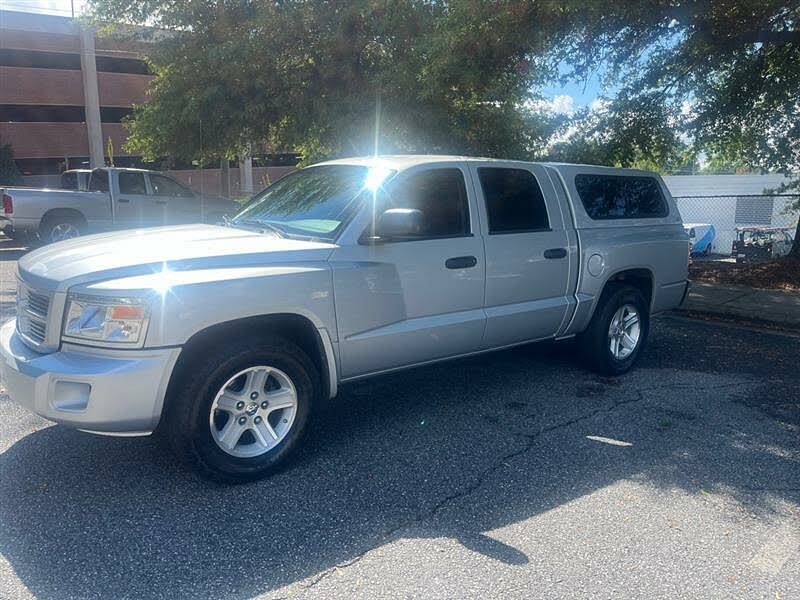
point(197, 300)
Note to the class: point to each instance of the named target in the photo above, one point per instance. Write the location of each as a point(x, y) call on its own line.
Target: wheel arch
point(641, 278)
point(72, 213)
point(314, 341)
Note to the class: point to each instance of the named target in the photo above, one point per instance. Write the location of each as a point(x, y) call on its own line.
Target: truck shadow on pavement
point(454, 451)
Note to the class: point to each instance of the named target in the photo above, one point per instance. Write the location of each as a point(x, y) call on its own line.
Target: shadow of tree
point(447, 451)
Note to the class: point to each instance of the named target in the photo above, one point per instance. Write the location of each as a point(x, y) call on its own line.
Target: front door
point(406, 302)
point(180, 204)
point(528, 253)
point(134, 207)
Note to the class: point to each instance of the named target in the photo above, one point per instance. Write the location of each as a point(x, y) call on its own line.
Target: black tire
point(595, 342)
point(186, 420)
point(51, 223)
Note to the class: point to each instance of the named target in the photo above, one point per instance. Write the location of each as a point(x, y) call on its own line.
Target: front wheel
point(239, 414)
point(618, 331)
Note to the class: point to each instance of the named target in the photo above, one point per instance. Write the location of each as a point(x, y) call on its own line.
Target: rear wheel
point(57, 228)
point(239, 414)
point(618, 331)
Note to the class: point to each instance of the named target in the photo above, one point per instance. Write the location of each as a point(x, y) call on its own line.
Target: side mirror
point(398, 224)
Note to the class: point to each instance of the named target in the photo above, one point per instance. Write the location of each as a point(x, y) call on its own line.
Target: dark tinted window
point(132, 183)
point(69, 181)
point(441, 196)
point(621, 197)
point(514, 200)
point(164, 186)
point(98, 181)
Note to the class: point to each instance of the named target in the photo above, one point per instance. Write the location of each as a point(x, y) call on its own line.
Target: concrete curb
point(773, 307)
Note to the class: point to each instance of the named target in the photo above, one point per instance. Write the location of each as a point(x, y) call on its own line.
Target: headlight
point(120, 321)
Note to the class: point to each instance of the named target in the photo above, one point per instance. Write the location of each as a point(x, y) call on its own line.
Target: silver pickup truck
point(223, 338)
point(113, 198)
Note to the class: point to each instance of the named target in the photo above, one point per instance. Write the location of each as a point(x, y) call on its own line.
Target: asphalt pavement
point(515, 474)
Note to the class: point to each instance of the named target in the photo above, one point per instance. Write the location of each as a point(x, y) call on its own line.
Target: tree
point(9, 173)
point(689, 76)
point(723, 73)
point(606, 137)
point(320, 77)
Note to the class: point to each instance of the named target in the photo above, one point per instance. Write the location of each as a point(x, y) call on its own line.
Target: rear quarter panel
point(657, 245)
point(30, 205)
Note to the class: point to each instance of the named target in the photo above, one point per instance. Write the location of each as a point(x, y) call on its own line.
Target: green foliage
point(724, 74)
point(613, 137)
point(691, 78)
point(9, 173)
point(446, 78)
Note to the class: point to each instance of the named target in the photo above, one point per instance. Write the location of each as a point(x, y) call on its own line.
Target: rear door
point(406, 302)
point(528, 253)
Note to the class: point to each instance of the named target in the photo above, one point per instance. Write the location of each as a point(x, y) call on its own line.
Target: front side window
point(98, 182)
point(514, 200)
point(316, 201)
point(132, 183)
point(621, 197)
point(164, 186)
point(440, 195)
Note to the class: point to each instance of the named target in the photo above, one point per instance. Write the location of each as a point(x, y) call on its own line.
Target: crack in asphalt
point(530, 438)
point(471, 488)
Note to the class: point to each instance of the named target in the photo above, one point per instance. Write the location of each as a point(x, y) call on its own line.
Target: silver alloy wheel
point(253, 411)
point(624, 332)
point(64, 231)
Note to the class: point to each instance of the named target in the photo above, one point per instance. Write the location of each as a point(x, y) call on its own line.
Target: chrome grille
point(33, 309)
point(39, 304)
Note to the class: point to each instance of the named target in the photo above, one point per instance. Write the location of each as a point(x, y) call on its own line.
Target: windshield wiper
point(256, 225)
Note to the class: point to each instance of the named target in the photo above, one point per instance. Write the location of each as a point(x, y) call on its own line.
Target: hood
point(142, 251)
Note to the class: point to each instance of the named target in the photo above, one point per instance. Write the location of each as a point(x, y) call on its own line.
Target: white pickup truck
point(223, 338)
point(103, 199)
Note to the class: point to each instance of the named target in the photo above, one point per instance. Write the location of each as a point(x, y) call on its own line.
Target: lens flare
point(375, 177)
point(163, 281)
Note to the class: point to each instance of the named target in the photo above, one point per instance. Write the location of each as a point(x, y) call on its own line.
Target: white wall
point(712, 199)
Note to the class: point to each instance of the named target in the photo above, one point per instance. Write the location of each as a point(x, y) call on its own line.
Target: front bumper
point(104, 391)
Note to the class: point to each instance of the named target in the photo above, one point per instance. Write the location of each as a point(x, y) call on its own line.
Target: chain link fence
point(727, 213)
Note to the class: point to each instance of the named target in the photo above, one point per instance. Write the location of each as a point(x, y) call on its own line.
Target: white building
point(730, 201)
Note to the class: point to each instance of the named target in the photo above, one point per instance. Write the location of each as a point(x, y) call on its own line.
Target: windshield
point(316, 202)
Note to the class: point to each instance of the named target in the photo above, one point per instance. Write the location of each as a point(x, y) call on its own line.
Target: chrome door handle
point(461, 262)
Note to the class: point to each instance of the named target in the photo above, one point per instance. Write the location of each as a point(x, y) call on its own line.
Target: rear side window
point(621, 197)
point(514, 200)
point(132, 183)
point(98, 181)
point(441, 196)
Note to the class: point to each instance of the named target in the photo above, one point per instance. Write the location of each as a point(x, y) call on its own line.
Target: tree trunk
point(795, 251)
